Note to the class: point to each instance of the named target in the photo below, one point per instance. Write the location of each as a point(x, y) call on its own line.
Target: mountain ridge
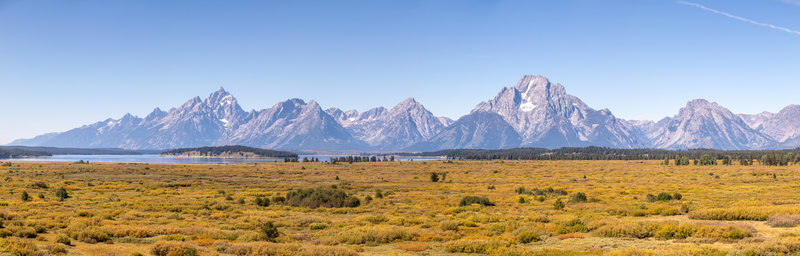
point(534, 112)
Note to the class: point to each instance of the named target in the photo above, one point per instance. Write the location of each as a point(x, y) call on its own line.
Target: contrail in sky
point(784, 29)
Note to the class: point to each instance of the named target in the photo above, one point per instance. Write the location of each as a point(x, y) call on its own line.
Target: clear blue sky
point(65, 63)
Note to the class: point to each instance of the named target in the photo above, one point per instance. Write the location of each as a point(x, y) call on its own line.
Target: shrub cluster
point(579, 197)
point(474, 246)
point(262, 202)
point(269, 231)
point(540, 192)
point(671, 230)
point(664, 196)
point(572, 226)
point(321, 197)
point(558, 204)
point(268, 248)
point(734, 213)
point(469, 200)
point(172, 248)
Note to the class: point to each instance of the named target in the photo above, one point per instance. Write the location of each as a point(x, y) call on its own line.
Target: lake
point(180, 160)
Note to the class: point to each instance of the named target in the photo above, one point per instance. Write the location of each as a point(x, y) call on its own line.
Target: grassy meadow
point(395, 208)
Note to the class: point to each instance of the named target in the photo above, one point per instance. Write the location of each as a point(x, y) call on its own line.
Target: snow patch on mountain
point(527, 106)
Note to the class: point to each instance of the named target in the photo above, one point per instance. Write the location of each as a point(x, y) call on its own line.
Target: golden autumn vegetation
point(396, 208)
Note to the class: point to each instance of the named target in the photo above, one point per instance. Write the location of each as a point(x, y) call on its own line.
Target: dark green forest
point(20, 153)
point(681, 157)
point(232, 149)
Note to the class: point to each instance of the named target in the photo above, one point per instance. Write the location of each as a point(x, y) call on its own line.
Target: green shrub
point(449, 226)
point(528, 236)
point(269, 230)
point(321, 197)
point(469, 200)
point(261, 202)
point(62, 239)
point(318, 226)
point(25, 196)
point(40, 185)
point(664, 196)
point(558, 204)
point(579, 197)
point(61, 194)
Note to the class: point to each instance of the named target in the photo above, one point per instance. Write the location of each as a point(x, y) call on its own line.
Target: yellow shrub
point(474, 246)
point(719, 233)
point(367, 235)
point(172, 248)
point(20, 247)
point(413, 247)
point(627, 229)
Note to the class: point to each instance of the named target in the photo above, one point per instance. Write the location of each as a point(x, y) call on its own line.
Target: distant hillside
point(82, 151)
point(20, 153)
point(229, 152)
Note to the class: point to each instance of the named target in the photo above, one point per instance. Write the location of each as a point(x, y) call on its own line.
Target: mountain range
point(533, 113)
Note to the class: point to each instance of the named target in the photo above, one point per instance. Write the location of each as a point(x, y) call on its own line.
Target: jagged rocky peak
point(336, 113)
point(783, 126)
point(156, 114)
point(704, 124)
point(408, 104)
point(224, 105)
point(537, 88)
point(701, 105)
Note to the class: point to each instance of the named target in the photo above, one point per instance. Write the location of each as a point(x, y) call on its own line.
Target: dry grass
point(169, 209)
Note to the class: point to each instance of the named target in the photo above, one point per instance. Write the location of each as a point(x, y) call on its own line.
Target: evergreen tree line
point(18, 153)
point(356, 159)
point(771, 159)
point(232, 149)
point(692, 156)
